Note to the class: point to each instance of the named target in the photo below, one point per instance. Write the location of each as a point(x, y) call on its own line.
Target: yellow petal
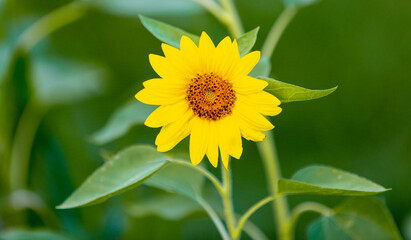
point(173, 133)
point(263, 102)
point(229, 138)
point(198, 140)
point(212, 149)
point(248, 85)
point(247, 63)
point(167, 87)
point(226, 58)
point(179, 61)
point(206, 48)
point(151, 97)
point(166, 69)
point(247, 130)
point(253, 118)
point(166, 114)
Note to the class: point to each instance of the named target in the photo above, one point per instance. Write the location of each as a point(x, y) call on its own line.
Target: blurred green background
point(362, 46)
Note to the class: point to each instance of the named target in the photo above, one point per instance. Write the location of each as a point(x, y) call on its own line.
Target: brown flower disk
point(210, 96)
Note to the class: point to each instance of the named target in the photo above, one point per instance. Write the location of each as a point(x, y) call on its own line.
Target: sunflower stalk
point(228, 202)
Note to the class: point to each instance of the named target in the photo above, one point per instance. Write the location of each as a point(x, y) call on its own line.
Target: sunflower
point(205, 92)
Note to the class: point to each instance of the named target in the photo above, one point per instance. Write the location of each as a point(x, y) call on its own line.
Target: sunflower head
point(204, 91)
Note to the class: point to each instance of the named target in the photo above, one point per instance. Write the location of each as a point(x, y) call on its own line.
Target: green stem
point(215, 9)
point(22, 144)
point(250, 211)
point(227, 201)
point(203, 171)
point(50, 23)
point(234, 22)
point(302, 208)
point(272, 168)
point(214, 217)
point(277, 30)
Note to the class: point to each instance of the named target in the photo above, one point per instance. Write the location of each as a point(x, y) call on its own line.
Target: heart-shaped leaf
point(165, 32)
point(328, 181)
point(179, 179)
point(290, 93)
point(168, 206)
point(124, 118)
point(124, 171)
point(356, 218)
point(247, 40)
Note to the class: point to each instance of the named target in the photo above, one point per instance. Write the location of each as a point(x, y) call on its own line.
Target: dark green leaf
point(262, 69)
point(290, 93)
point(355, 219)
point(127, 116)
point(61, 81)
point(329, 181)
point(167, 33)
point(179, 179)
point(168, 206)
point(126, 170)
point(22, 234)
point(246, 41)
point(132, 8)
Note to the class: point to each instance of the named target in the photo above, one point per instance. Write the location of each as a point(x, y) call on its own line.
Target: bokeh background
point(362, 46)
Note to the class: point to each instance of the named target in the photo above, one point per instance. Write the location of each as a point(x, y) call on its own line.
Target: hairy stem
point(214, 217)
point(228, 201)
point(234, 22)
point(272, 168)
point(250, 211)
point(203, 171)
point(302, 208)
point(22, 144)
point(277, 30)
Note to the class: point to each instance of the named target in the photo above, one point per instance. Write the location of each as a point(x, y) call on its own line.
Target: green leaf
point(328, 181)
point(167, 33)
point(179, 179)
point(168, 206)
point(126, 170)
point(124, 118)
point(22, 234)
point(356, 218)
point(262, 69)
point(132, 8)
point(299, 2)
point(61, 81)
point(246, 41)
point(290, 93)
point(5, 59)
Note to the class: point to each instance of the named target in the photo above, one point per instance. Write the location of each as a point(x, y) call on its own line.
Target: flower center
point(210, 96)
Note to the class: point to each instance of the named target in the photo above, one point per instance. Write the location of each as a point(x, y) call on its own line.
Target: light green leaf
point(299, 2)
point(179, 179)
point(123, 119)
point(126, 170)
point(246, 41)
point(290, 93)
point(357, 218)
point(22, 234)
point(328, 181)
point(262, 69)
point(166, 33)
point(168, 206)
point(61, 81)
point(132, 8)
